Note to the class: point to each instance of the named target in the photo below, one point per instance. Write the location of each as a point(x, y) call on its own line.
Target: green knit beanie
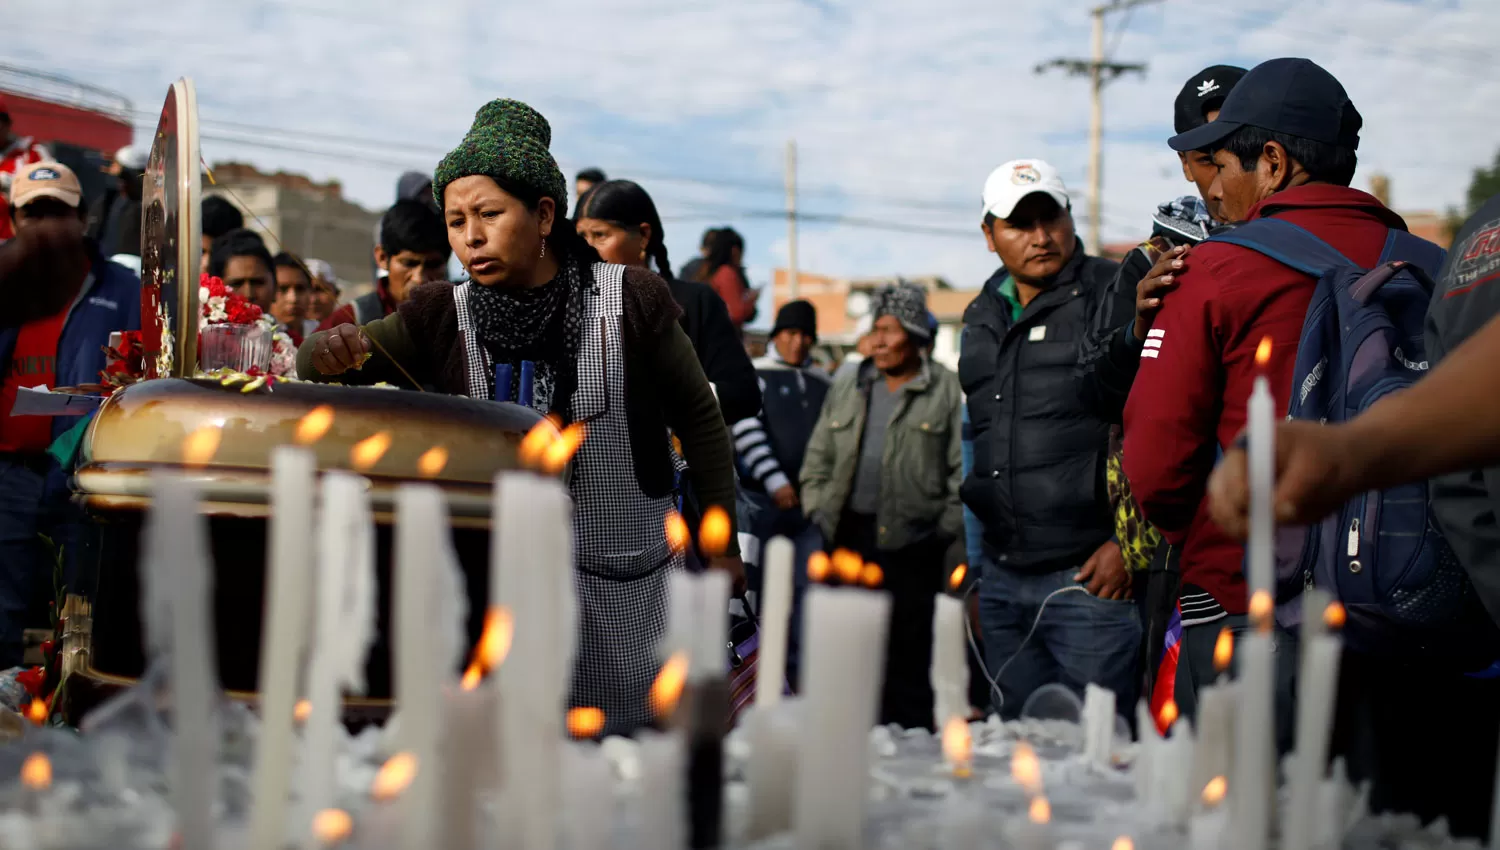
point(508, 141)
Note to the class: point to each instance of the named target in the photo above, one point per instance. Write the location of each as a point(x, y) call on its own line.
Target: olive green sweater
point(666, 387)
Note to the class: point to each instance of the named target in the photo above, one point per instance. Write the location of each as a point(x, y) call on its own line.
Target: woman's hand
point(339, 350)
point(732, 565)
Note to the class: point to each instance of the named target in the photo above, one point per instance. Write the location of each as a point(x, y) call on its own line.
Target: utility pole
point(1099, 72)
point(793, 284)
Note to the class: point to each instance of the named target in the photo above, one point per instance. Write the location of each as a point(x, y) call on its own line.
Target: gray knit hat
point(508, 141)
point(907, 302)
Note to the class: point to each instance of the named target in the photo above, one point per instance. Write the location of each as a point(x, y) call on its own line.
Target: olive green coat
point(923, 457)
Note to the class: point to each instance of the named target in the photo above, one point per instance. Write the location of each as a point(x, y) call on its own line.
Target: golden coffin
point(457, 443)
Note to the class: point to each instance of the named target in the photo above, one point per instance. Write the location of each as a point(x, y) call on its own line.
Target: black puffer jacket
point(706, 322)
point(1038, 484)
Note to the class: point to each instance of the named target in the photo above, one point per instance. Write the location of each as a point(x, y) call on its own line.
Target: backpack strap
point(1286, 243)
point(1403, 246)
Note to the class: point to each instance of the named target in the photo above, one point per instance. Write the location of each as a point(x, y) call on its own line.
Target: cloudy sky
point(899, 107)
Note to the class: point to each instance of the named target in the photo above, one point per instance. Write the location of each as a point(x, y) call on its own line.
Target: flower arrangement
point(221, 306)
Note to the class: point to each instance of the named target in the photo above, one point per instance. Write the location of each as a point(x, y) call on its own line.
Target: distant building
point(842, 302)
point(82, 125)
point(306, 218)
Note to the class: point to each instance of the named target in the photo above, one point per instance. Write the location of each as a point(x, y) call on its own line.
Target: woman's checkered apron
point(619, 538)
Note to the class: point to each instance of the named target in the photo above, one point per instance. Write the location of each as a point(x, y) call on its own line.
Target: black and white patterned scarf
point(543, 325)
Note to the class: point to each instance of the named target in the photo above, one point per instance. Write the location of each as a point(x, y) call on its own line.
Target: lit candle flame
point(1123, 843)
point(312, 427)
point(1261, 608)
point(956, 579)
point(1040, 811)
point(1215, 790)
point(585, 722)
point(678, 536)
point(1223, 650)
point(818, 567)
point(1334, 616)
point(36, 772)
point(332, 826)
point(958, 746)
point(872, 576)
point(36, 711)
point(433, 461)
point(394, 777)
point(1167, 716)
point(368, 452)
point(847, 565)
point(1263, 351)
point(561, 450)
point(713, 534)
point(302, 710)
point(1026, 769)
point(199, 447)
point(534, 444)
point(667, 689)
point(493, 647)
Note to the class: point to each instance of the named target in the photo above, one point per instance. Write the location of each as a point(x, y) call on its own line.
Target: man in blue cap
point(1284, 145)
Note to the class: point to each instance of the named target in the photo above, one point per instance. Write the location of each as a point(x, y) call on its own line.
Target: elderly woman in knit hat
point(538, 294)
point(881, 478)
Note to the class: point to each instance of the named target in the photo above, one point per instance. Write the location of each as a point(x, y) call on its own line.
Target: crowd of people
point(1080, 478)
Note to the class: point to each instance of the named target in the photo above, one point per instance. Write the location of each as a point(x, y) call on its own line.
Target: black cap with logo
point(1202, 93)
point(1294, 97)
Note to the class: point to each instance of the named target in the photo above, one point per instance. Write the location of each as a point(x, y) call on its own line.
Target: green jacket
point(923, 464)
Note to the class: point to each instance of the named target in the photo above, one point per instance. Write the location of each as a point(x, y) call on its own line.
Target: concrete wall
point(310, 225)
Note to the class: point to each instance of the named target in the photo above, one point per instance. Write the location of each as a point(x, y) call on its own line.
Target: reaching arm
point(41, 271)
point(1447, 422)
point(321, 351)
point(753, 447)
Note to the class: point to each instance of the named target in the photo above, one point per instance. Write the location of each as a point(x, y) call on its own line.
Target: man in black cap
point(770, 446)
point(1284, 146)
point(1111, 354)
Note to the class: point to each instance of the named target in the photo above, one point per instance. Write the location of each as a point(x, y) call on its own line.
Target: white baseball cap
point(1014, 180)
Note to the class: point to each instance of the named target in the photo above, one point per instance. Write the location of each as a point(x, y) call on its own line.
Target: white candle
point(775, 619)
point(772, 766)
point(590, 779)
point(1317, 688)
point(344, 601)
point(531, 575)
point(179, 594)
point(846, 636)
point(1261, 420)
point(949, 671)
point(663, 822)
point(1144, 767)
point(1214, 751)
point(1033, 830)
point(1098, 724)
point(1175, 776)
point(421, 667)
point(963, 821)
point(284, 630)
point(468, 762)
point(1206, 829)
point(1253, 783)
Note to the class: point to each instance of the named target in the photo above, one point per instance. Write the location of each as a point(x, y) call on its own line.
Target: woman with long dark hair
point(619, 219)
point(723, 269)
point(538, 293)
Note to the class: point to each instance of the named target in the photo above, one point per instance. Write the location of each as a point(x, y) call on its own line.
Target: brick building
point(842, 302)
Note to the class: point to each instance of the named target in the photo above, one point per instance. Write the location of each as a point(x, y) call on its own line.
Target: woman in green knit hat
point(537, 294)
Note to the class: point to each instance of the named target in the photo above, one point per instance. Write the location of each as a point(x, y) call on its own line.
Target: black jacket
point(705, 320)
point(1038, 482)
point(1111, 354)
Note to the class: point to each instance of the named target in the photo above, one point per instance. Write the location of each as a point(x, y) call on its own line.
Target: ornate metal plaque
point(171, 239)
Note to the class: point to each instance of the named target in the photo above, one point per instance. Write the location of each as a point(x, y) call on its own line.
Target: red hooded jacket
point(1189, 398)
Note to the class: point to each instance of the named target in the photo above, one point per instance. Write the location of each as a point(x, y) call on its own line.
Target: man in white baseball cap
point(1036, 488)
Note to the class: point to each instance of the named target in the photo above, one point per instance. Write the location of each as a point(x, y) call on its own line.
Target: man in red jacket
point(1284, 145)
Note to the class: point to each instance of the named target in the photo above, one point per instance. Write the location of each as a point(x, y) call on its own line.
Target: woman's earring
point(544, 247)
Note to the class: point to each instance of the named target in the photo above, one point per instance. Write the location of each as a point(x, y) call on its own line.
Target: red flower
point(216, 287)
point(32, 679)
